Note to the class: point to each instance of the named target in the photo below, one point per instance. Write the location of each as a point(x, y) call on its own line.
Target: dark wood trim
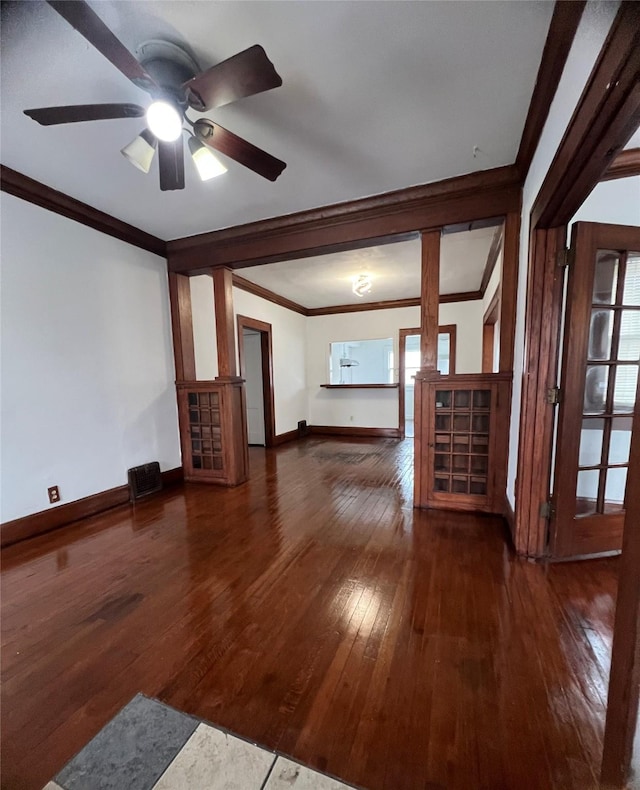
point(342, 430)
point(14, 183)
point(391, 304)
point(55, 517)
point(283, 438)
point(182, 326)
point(270, 296)
point(429, 306)
point(509, 290)
point(492, 258)
point(225, 329)
point(562, 30)
point(358, 386)
point(392, 216)
point(402, 353)
point(489, 320)
point(543, 319)
point(625, 165)
point(268, 391)
point(624, 680)
point(509, 517)
point(492, 313)
point(606, 117)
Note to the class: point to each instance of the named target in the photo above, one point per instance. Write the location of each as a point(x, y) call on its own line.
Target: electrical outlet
point(54, 494)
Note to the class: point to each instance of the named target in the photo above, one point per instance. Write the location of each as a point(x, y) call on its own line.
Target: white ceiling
point(376, 96)
point(326, 280)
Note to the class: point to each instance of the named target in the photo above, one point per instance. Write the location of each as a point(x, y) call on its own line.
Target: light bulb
point(362, 284)
point(164, 121)
point(207, 164)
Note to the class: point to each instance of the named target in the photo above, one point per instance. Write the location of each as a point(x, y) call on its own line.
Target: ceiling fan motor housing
point(170, 66)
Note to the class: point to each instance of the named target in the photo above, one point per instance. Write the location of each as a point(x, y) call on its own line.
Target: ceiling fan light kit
point(168, 73)
point(140, 151)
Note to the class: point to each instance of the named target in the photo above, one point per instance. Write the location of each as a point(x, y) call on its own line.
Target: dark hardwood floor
point(312, 610)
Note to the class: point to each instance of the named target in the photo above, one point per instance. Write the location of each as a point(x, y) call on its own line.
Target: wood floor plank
point(312, 610)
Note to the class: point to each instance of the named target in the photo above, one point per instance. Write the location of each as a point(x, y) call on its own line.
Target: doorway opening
point(256, 368)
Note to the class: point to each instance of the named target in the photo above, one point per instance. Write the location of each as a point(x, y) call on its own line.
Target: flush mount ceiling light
point(175, 84)
point(362, 284)
point(141, 150)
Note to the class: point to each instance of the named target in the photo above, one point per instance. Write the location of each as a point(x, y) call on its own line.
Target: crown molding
point(14, 183)
point(265, 293)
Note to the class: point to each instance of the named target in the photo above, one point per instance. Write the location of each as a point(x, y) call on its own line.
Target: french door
point(598, 390)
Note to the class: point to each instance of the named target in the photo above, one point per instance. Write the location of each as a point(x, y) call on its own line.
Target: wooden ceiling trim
point(562, 29)
point(270, 296)
point(14, 183)
point(606, 117)
point(394, 216)
point(626, 164)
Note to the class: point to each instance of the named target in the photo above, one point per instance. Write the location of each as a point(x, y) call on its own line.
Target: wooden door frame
point(266, 345)
point(451, 330)
point(489, 321)
point(601, 125)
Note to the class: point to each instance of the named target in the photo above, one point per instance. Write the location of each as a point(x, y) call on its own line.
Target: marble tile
point(287, 775)
point(215, 760)
point(131, 751)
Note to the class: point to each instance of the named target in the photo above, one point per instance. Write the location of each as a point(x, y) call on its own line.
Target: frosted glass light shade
point(362, 284)
point(164, 121)
point(207, 163)
point(141, 150)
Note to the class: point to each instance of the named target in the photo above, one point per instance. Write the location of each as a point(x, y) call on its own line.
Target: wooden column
point(509, 290)
point(624, 680)
point(225, 324)
point(182, 326)
point(429, 320)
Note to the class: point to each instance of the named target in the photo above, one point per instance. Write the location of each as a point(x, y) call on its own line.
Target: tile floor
point(150, 746)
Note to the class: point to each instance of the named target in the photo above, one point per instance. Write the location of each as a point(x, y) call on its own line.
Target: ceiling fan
point(169, 74)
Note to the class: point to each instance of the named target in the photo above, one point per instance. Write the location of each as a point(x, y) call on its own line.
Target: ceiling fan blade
point(171, 164)
point(84, 19)
point(75, 113)
point(241, 75)
point(247, 154)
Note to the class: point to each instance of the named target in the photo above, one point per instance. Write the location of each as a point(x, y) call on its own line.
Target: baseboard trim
point(283, 438)
point(510, 517)
point(345, 430)
point(55, 517)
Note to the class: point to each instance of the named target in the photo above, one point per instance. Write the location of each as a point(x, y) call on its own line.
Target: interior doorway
point(598, 389)
point(409, 364)
point(256, 368)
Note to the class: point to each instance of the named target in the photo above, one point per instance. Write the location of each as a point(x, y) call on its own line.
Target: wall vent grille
point(144, 480)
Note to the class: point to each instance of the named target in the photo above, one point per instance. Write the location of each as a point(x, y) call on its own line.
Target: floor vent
point(144, 480)
point(303, 428)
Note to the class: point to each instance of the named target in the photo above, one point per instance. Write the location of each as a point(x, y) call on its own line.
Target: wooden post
point(509, 290)
point(429, 320)
point(624, 679)
point(182, 327)
point(225, 324)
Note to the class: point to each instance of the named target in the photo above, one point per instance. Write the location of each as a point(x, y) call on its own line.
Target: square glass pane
point(620, 440)
point(605, 277)
point(615, 487)
point(595, 389)
point(591, 442)
point(587, 492)
point(481, 399)
point(600, 333)
point(443, 399)
point(460, 463)
point(193, 398)
point(462, 399)
point(629, 348)
point(631, 295)
point(441, 483)
point(624, 394)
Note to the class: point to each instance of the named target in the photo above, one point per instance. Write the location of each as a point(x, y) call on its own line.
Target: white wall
point(205, 346)
point(468, 317)
point(87, 363)
point(288, 340)
point(590, 36)
point(616, 202)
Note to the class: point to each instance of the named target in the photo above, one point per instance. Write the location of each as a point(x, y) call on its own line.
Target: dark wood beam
point(624, 680)
point(492, 258)
point(390, 217)
point(626, 164)
point(606, 117)
point(182, 326)
point(562, 29)
point(429, 312)
point(265, 293)
point(25, 188)
point(390, 304)
point(509, 290)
